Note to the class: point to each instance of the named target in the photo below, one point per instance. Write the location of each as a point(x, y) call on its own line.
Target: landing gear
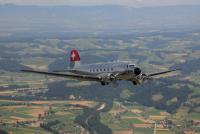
point(134, 82)
point(104, 83)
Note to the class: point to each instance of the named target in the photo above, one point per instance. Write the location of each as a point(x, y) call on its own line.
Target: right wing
point(72, 76)
point(161, 73)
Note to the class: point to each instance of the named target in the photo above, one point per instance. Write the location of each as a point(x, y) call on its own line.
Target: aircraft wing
point(72, 76)
point(64, 70)
point(161, 73)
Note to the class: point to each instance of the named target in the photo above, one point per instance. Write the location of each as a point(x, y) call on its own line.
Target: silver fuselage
point(100, 69)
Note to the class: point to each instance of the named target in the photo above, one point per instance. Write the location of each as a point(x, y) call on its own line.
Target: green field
point(164, 132)
point(143, 131)
point(172, 98)
point(25, 130)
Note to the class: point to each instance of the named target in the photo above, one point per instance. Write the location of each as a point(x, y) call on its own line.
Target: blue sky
point(134, 3)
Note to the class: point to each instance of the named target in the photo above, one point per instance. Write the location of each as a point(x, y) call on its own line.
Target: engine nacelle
point(108, 77)
point(139, 79)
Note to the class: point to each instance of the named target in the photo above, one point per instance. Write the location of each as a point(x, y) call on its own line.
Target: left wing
point(72, 76)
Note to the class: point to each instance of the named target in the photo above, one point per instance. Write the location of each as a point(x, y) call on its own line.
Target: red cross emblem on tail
point(74, 55)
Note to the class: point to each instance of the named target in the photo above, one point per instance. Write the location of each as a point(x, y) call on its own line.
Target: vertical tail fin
point(74, 58)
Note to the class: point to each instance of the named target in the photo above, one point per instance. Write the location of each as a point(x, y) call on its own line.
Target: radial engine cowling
point(108, 77)
point(137, 71)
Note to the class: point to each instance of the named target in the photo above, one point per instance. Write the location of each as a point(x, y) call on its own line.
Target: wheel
point(134, 82)
point(103, 83)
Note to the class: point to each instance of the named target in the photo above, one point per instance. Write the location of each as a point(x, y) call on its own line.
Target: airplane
point(105, 73)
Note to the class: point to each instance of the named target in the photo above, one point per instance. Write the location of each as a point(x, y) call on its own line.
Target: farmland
point(31, 103)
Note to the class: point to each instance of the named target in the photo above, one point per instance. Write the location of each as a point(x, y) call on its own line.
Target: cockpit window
point(131, 66)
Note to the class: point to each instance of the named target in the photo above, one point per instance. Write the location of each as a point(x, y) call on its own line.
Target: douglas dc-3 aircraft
point(105, 73)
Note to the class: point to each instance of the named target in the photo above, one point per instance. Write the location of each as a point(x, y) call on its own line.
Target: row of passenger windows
point(101, 70)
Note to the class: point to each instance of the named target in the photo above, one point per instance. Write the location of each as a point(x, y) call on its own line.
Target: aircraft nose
point(137, 71)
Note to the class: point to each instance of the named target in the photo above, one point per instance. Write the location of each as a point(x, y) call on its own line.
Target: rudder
point(74, 58)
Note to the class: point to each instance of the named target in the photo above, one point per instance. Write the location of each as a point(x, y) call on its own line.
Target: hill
point(92, 18)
